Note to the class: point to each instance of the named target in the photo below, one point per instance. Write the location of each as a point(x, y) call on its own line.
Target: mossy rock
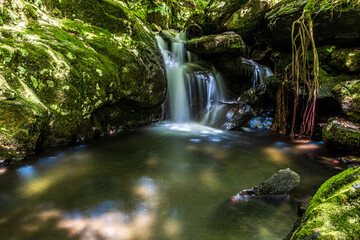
point(348, 95)
point(64, 60)
point(346, 60)
point(334, 212)
point(342, 136)
point(248, 18)
point(217, 13)
point(228, 42)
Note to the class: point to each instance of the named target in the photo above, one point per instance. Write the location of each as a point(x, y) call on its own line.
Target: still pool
point(165, 181)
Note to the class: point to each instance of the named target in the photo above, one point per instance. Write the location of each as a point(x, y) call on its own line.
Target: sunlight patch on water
point(276, 155)
point(27, 171)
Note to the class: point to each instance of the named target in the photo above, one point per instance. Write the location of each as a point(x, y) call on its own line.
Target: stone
point(216, 14)
point(169, 35)
point(334, 212)
point(340, 135)
point(248, 18)
point(237, 115)
point(65, 62)
point(345, 60)
point(348, 95)
point(193, 31)
point(228, 42)
point(262, 122)
point(279, 185)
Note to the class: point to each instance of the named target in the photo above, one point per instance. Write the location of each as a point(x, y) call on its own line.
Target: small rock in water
point(279, 185)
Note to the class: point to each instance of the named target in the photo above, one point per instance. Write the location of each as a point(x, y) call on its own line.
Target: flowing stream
point(168, 181)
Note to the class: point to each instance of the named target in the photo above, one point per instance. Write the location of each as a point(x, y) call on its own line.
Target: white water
point(260, 72)
point(194, 93)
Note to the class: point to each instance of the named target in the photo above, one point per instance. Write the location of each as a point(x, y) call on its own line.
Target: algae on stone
point(334, 212)
point(63, 60)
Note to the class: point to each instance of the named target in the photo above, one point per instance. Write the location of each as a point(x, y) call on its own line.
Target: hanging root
point(302, 41)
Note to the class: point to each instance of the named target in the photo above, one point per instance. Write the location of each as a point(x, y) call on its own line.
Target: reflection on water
point(162, 182)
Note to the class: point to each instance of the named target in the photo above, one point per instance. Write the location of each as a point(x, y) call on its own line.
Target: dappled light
point(275, 155)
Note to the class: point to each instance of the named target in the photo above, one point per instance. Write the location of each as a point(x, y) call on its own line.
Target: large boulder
point(248, 18)
point(348, 95)
point(337, 25)
point(217, 13)
point(64, 61)
point(227, 42)
point(334, 212)
point(340, 135)
point(279, 184)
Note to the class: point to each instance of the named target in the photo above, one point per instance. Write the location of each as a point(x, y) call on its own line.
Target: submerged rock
point(340, 135)
point(334, 212)
point(279, 185)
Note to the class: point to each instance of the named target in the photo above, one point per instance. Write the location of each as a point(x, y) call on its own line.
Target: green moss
point(56, 72)
point(334, 212)
point(341, 135)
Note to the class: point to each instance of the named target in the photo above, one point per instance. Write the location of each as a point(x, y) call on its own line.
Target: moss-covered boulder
point(348, 95)
point(342, 136)
point(62, 61)
point(228, 42)
point(217, 13)
point(248, 18)
point(334, 212)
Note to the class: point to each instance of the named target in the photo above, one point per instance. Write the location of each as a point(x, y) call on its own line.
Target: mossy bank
point(334, 212)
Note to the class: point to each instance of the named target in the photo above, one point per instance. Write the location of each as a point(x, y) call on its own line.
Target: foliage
point(177, 11)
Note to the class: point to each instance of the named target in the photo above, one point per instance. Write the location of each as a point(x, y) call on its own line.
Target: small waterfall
point(194, 92)
point(260, 72)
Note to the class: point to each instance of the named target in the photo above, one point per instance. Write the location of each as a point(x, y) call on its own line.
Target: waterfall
point(260, 72)
point(194, 92)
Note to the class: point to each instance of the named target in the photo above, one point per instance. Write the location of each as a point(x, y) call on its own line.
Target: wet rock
point(237, 115)
point(279, 185)
point(262, 122)
point(347, 94)
point(333, 213)
point(253, 95)
point(228, 42)
point(169, 35)
point(193, 31)
point(343, 136)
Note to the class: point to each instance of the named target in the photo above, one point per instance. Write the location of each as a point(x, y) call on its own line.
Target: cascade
point(260, 72)
point(194, 92)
